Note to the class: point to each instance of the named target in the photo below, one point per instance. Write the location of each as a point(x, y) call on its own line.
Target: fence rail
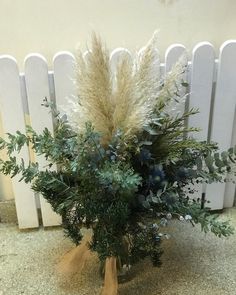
point(212, 89)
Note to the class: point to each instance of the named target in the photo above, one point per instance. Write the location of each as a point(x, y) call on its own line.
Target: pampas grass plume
point(120, 99)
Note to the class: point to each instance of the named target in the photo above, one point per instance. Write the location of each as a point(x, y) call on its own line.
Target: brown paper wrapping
point(73, 261)
point(110, 282)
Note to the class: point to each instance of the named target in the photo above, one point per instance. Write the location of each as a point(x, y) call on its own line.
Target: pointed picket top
point(64, 78)
point(37, 86)
point(13, 119)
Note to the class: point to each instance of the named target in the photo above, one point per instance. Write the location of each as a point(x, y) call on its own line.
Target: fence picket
point(116, 55)
point(203, 61)
point(64, 75)
point(223, 116)
point(38, 83)
point(13, 120)
point(172, 56)
point(156, 67)
point(37, 86)
point(230, 188)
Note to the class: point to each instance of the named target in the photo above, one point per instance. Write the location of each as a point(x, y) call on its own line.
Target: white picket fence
point(212, 90)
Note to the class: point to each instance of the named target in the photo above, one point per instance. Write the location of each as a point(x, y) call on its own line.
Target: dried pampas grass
point(94, 86)
point(124, 98)
point(172, 95)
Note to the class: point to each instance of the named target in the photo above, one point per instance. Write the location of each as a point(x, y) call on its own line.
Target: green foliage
point(119, 181)
point(125, 191)
point(207, 220)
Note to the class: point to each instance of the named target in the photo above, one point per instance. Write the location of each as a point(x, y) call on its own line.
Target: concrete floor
point(193, 264)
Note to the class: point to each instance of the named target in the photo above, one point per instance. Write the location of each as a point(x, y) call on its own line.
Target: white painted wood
point(37, 86)
point(173, 54)
point(64, 78)
point(156, 67)
point(202, 71)
point(230, 188)
point(223, 115)
point(59, 84)
point(86, 54)
point(13, 119)
point(116, 55)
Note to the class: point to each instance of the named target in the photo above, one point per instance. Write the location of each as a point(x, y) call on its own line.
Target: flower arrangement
point(126, 160)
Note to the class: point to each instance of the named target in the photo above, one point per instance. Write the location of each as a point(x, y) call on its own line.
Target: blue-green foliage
point(126, 191)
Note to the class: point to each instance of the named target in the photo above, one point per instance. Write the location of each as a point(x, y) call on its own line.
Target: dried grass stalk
point(121, 100)
point(172, 94)
point(95, 88)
